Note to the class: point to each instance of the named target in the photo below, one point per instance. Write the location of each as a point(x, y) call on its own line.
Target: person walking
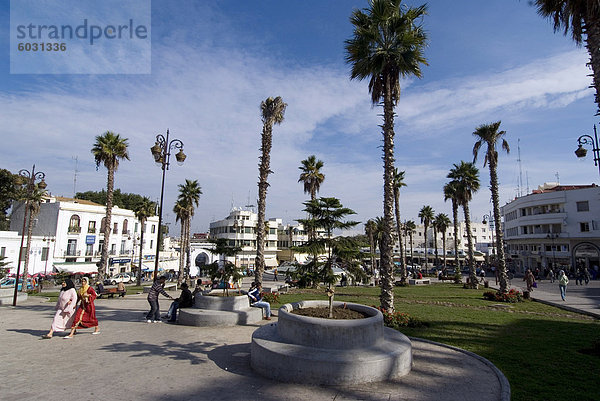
point(85, 317)
point(551, 275)
point(65, 308)
point(563, 280)
point(529, 279)
point(157, 288)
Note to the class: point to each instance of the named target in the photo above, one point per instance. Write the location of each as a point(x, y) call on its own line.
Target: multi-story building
point(555, 225)
point(68, 233)
point(239, 228)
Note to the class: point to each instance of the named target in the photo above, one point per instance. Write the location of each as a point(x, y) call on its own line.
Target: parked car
point(9, 282)
point(119, 278)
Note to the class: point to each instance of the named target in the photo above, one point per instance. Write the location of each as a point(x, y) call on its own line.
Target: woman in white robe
point(65, 308)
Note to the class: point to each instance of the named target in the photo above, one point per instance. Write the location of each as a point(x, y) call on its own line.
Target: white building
point(556, 225)
point(68, 236)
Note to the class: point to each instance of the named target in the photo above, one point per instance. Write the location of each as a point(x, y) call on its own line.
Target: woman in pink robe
point(65, 308)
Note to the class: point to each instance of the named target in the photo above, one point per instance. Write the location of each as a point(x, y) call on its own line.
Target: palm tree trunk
point(455, 222)
point(425, 235)
point(435, 233)
point(399, 231)
point(386, 257)
point(472, 275)
point(139, 275)
point(411, 248)
point(264, 170)
point(444, 246)
point(592, 44)
point(499, 237)
point(373, 250)
point(109, 204)
point(181, 251)
point(188, 253)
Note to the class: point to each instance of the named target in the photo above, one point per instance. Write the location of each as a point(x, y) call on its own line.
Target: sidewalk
point(134, 360)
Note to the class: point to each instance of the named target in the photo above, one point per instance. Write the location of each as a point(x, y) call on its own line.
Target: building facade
point(69, 235)
point(555, 225)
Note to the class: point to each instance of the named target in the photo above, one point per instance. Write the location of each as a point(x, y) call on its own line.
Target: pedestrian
point(256, 300)
point(157, 288)
point(65, 308)
point(551, 275)
point(85, 317)
point(275, 274)
point(529, 279)
point(586, 275)
point(563, 280)
point(184, 301)
point(121, 289)
point(580, 275)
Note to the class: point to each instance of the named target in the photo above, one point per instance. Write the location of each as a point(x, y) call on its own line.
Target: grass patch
point(546, 353)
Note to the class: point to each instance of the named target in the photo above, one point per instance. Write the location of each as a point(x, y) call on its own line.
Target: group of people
point(75, 309)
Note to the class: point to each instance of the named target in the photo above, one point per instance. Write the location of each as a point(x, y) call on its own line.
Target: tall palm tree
point(33, 200)
point(388, 42)
point(109, 149)
point(467, 177)
point(410, 227)
point(311, 175)
point(441, 223)
point(370, 229)
point(146, 208)
point(581, 17)
point(451, 193)
point(426, 214)
point(273, 111)
point(489, 135)
point(182, 215)
point(189, 199)
point(399, 183)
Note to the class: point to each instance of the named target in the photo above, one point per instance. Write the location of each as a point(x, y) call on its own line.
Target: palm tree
point(273, 110)
point(467, 177)
point(189, 198)
point(388, 42)
point(581, 17)
point(370, 228)
point(311, 175)
point(410, 227)
point(489, 135)
point(33, 200)
point(182, 215)
point(426, 214)
point(108, 150)
point(143, 210)
point(441, 224)
point(451, 193)
point(399, 183)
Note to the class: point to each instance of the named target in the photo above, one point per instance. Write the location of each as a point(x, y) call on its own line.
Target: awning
point(76, 267)
point(271, 263)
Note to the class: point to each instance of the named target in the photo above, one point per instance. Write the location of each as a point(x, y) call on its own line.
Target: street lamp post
point(162, 154)
point(490, 218)
point(552, 236)
point(31, 177)
point(588, 140)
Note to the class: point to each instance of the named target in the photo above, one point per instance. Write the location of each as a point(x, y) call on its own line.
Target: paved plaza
point(134, 360)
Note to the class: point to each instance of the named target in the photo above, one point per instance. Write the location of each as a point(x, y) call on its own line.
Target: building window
point(584, 227)
point(135, 230)
point(89, 249)
point(153, 229)
point(103, 224)
point(122, 247)
point(583, 206)
point(151, 243)
point(125, 222)
point(91, 227)
point(3, 251)
point(116, 228)
point(72, 247)
point(45, 252)
point(74, 224)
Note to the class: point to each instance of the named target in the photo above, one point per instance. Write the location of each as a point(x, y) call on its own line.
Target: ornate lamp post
point(490, 218)
point(30, 177)
point(162, 154)
point(588, 140)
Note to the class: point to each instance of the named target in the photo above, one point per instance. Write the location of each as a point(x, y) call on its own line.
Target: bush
point(270, 297)
point(512, 296)
point(399, 319)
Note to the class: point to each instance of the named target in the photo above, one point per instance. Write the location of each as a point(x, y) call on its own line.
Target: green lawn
point(536, 346)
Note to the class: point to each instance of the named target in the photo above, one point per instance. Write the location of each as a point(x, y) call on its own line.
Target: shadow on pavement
point(191, 352)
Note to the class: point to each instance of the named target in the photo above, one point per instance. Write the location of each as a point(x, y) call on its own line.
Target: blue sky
point(213, 62)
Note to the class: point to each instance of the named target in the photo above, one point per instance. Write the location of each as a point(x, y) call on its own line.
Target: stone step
point(208, 317)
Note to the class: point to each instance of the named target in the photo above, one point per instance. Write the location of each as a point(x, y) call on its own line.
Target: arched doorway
point(587, 255)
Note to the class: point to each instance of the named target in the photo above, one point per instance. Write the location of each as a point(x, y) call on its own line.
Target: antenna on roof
point(527, 176)
point(520, 170)
point(557, 178)
point(75, 177)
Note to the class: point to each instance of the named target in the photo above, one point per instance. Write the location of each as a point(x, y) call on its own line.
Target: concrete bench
point(419, 281)
point(111, 292)
point(446, 278)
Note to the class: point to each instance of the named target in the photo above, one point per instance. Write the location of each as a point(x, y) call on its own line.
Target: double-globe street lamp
point(30, 177)
point(162, 154)
point(588, 140)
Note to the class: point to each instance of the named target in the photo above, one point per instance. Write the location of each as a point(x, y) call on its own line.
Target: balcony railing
point(71, 252)
point(74, 230)
point(91, 230)
point(125, 233)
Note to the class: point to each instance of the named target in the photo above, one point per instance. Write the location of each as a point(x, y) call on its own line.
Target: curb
point(567, 308)
point(504, 384)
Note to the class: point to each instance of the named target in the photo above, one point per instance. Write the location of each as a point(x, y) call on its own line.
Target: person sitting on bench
point(256, 300)
point(184, 301)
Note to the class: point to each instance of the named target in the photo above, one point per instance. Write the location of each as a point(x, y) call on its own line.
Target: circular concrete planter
point(311, 350)
point(212, 310)
point(215, 302)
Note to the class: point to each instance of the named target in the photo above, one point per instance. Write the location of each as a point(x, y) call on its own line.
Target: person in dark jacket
point(185, 300)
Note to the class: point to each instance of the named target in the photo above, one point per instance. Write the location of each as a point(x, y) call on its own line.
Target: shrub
point(512, 296)
point(270, 297)
point(399, 319)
